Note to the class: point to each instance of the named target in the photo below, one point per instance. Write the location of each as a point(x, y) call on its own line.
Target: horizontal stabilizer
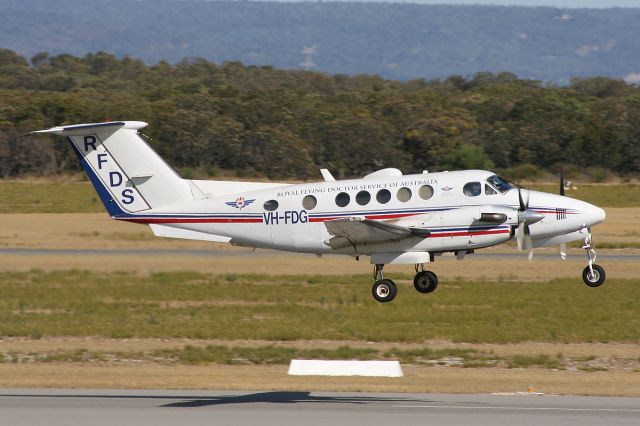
point(173, 232)
point(82, 129)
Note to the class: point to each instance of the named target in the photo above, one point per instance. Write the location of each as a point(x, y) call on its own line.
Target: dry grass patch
point(85, 231)
point(98, 231)
point(102, 344)
point(269, 263)
point(274, 378)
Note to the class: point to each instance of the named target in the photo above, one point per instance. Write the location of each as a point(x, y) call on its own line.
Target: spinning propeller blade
point(526, 217)
point(563, 246)
point(523, 207)
point(563, 251)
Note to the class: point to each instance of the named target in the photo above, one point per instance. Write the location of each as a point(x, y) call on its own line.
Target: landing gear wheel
point(384, 290)
point(595, 279)
point(425, 281)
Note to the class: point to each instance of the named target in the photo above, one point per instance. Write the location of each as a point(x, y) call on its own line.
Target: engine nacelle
point(473, 227)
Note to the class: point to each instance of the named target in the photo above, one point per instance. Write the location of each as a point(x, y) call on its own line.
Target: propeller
point(526, 217)
point(563, 246)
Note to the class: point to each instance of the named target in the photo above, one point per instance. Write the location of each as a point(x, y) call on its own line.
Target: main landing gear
point(424, 281)
point(593, 275)
point(385, 290)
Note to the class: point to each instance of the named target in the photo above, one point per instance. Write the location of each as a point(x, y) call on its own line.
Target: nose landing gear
point(593, 275)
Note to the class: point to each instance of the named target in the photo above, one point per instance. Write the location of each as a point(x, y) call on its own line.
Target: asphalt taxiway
point(266, 252)
point(158, 408)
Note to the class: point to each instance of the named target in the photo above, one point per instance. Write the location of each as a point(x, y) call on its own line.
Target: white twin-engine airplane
point(392, 218)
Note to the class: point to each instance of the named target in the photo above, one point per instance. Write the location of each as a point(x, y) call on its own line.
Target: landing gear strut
point(383, 290)
point(425, 281)
point(593, 275)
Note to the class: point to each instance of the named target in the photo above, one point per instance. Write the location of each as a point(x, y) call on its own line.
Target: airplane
point(390, 217)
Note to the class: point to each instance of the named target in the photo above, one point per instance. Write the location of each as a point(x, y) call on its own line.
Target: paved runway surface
point(264, 252)
point(55, 407)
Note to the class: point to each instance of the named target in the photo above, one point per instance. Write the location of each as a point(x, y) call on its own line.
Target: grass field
point(282, 354)
point(238, 331)
point(289, 308)
point(48, 197)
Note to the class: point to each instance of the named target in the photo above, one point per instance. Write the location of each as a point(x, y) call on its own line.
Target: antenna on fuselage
point(327, 176)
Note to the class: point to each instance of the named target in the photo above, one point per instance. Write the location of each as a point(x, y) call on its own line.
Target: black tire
point(425, 281)
point(595, 280)
point(384, 291)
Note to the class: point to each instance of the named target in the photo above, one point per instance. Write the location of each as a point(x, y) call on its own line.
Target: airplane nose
point(594, 215)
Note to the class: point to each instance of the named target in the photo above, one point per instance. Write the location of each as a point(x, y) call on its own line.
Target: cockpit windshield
point(499, 183)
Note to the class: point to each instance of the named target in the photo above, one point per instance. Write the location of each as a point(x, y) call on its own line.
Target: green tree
point(468, 157)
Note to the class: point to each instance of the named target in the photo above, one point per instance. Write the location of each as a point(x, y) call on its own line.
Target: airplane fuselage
point(435, 201)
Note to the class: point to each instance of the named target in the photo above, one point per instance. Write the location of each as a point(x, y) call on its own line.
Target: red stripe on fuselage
point(468, 234)
point(194, 220)
point(552, 212)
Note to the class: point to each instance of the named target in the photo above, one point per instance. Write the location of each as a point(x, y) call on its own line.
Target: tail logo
point(108, 173)
point(239, 203)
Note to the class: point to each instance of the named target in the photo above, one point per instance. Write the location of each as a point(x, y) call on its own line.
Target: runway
point(55, 407)
point(267, 253)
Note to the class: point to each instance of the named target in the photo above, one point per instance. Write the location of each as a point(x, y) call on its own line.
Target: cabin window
point(489, 190)
point(363, 198)
point(472, 189)
point(343, 199)
point(270, 205)
point(383, 196)
point(404, 194)
point(425, 192)
point(309, 202)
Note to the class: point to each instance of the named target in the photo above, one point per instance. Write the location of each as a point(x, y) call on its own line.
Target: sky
point(555, 3)
point(552, 3)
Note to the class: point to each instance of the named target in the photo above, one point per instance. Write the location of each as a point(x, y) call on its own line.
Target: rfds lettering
point(115, 178)
point(285, 218)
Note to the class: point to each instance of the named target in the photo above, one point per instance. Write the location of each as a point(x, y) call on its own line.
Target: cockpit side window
point(488, 190)
point(499, 183)
point(472, 189)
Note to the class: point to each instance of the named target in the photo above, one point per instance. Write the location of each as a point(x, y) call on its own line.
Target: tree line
point(256, 121)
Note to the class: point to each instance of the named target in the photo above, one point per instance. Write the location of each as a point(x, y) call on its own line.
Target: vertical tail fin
point(127, 173)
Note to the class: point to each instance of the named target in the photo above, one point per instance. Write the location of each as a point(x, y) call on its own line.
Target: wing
point(356, 230)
